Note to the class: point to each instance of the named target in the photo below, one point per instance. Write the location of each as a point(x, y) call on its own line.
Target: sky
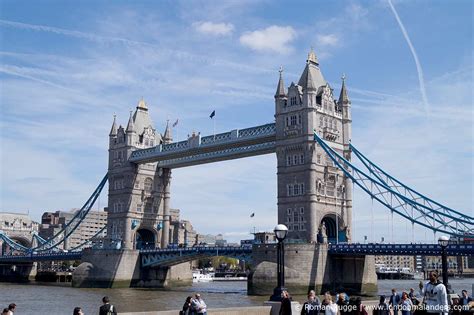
point(67, 67)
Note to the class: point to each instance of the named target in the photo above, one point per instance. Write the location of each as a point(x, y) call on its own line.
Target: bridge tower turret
point(135, 191)
point(311, 191)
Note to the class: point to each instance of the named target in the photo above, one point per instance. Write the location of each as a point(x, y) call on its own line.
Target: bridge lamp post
point(443, 241)
point(280, 232)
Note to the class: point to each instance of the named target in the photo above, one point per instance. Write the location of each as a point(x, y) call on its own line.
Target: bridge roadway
point(169, 257)
point(223, 146)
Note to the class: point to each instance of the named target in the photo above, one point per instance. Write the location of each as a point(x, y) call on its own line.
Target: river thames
point(61, 299)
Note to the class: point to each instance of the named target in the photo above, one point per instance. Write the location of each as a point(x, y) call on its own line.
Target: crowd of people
point(105, 309)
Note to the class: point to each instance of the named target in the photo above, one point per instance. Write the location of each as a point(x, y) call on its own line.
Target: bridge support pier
point(121, 268)
point(310, 267)
point(21, 272)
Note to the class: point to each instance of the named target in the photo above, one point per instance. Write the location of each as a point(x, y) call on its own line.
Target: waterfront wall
point(310, 267)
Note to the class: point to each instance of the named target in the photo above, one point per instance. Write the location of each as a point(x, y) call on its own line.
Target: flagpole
point(214, 127)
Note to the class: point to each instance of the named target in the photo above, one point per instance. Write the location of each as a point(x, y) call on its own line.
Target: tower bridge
point(311, 137)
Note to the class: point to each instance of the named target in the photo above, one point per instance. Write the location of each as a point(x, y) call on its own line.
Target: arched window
point(148, 186)
point(320, 121)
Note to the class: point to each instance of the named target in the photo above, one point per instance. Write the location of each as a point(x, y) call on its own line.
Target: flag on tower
point(212, 114)
point(175, 123)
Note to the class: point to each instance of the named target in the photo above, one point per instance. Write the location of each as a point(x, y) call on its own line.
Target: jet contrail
point(415, 56)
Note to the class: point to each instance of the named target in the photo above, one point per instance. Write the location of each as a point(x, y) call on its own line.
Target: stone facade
point(314, 197)
point(309, 267)
point(138, 194)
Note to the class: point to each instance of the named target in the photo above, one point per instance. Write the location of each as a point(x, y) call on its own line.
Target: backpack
point(111, 310)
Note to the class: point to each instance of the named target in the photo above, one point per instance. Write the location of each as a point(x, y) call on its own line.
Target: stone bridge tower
point(138, 205)
point(314, 197)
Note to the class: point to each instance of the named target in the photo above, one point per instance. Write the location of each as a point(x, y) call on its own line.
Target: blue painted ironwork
point(14, 245)
point(89, 241)
point(33, 256)
point(408, 192)
point(239, 140)
point(400, 249)
point(171, 256)
point(395, 201)
point(72, 225)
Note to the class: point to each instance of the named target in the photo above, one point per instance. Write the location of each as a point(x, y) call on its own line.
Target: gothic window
point(288, 211)
point(290, 189)
point(295, 160)
point(137, 184)
point(139, 207)
point(301, 210)
point(302, 189)
point(288, 160)
point(301, 158)
point(302, 227)
point(318, 100)
point(318, 158)
point(320, 121)
point(148, 186)
point(287, 121)
point(146, 142)
point(293, 100)
point(293, 120)
point(296, 218)
point(299, 119)
point(296, 189)
point(152, 143)
point(296, 227)
point(325, 122)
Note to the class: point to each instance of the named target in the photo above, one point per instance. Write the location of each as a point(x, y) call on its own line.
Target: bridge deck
point(199, 150)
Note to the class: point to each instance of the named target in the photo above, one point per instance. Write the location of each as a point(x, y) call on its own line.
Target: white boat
point(198, 276)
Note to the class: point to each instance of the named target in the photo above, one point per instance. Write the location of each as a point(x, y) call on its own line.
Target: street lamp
point(443, 241)
point(280, 232)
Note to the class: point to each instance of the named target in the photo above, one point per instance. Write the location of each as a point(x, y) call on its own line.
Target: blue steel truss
point(170, 257)
point(435, 207)
point(14, 245)
point(402, 205)
point(198, 150)
point(401, 249)
point(32, 257)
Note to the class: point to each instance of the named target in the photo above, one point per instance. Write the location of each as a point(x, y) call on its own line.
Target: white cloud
point(216, 29)
point(327, 40)
point(273, 38)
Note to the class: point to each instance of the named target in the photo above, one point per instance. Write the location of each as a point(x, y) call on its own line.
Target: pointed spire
point(312, 57)
point(167, 135)
point(113, 130)
point(343, 97)
point(281, 86)
point(130, 125)
point(142, 104)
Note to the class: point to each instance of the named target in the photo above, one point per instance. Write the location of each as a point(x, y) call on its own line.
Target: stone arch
point(331, 226)
point(145, 238)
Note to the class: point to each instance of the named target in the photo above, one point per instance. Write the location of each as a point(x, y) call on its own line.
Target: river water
point(60, 299)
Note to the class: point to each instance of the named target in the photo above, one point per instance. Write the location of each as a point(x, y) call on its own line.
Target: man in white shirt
point(434, 295)
point(198, 305)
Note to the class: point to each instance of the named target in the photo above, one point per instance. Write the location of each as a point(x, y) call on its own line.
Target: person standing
point(11, 309)
point(342, 303)
point(77, 311)
point(187, 307)
point(312, 306)
point(107, 308)
point(434, 295)
point(394, 301)
point(465, 298)
point(382, 308)
point(330, 308)
point(198, 305)
point(405, 304)
point(285, 308)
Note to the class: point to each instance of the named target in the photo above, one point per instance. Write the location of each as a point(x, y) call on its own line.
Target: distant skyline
point(67, 70)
